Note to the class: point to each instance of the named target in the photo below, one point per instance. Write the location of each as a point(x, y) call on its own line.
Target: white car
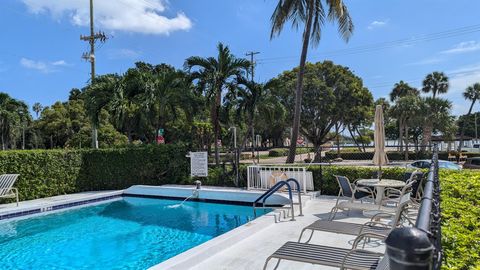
point(442, 164)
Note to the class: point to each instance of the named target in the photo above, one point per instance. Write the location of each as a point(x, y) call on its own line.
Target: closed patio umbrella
point(380, 157)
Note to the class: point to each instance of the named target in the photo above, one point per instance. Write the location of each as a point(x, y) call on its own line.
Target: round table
point(380, 186)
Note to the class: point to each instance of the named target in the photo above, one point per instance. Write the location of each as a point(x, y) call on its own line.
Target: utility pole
point(90, 56)
point(252, 72)
point(252, 54)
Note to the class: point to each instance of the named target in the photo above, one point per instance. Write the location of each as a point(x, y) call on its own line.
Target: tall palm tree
point(433, 114)
point(436, 83)
point(402, 89)
point(37, 108)
point(213, 76)
point(312, 14)
point(472, 93)
point(247, 100)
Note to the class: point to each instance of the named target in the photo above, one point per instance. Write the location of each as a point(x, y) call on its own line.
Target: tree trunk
point(216, 125)
point(338, 140)
point(299, 86)
point(400, 134)
point(462, 132)
point(353, 138)
point(427, 135)
point(406, 142)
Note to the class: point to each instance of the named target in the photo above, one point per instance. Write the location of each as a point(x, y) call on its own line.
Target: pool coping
point(57, 203)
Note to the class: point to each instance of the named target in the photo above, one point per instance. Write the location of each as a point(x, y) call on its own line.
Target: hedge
point(391, 155)
point(460, 208)
point(45, 173)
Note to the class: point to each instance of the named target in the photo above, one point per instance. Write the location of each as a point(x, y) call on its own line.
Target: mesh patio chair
point(371, 228)
point(6, 186)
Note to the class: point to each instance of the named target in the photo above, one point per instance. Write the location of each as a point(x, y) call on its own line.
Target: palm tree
point(247, 99)
point(312, 14)
point(436, 83)
point(433, 114)
point(214, 75)
point(37, 108)
point(402, 89)
point(472, 93)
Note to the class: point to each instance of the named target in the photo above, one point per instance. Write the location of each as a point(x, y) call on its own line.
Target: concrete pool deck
point(261, 237)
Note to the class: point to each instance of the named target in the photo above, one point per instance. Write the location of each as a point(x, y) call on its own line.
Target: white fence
point(266, 176)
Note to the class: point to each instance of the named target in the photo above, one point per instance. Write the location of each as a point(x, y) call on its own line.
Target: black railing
point(420, 247)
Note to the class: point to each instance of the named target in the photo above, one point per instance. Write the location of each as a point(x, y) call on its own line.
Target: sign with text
point(199, 164)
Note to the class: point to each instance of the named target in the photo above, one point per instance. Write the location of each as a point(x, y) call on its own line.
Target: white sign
point(199, 164)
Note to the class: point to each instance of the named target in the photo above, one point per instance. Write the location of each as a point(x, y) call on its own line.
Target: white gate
point(266, 176)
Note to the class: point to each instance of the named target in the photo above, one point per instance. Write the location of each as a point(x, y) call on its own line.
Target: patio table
point(380, 186)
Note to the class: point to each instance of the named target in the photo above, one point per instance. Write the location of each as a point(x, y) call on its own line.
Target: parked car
point(425, 164)
point(472, 163)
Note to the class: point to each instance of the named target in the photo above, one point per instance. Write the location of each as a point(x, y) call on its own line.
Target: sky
point(40, 52)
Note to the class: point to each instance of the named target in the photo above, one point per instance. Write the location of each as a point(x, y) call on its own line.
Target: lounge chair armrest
point(369, 235)
point(381, 215)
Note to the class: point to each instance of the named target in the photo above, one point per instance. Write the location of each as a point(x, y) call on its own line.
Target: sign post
point(198, 164)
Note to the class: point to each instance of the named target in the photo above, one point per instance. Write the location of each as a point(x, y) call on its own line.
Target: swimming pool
point(129, 233)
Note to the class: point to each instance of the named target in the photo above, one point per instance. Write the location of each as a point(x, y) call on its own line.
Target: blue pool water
point(131, 233)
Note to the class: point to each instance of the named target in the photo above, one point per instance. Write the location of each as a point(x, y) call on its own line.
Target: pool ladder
point(274, 189)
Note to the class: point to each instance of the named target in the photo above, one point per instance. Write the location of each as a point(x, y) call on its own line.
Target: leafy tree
point(472, 93)
point(312, 14)
point(214, 75)
point(14, 116)
point(405, 110)
point(332, 94)
point(435, 83)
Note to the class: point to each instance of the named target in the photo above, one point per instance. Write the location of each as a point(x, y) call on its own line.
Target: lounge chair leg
point(266, 263)
point(310, 238)
point(16, 195)
point(276, 265)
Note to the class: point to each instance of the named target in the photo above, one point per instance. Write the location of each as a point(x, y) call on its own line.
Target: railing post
point(409, 248)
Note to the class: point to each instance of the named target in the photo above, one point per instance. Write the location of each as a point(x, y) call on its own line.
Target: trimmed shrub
point(45, 173)
point(460, 219)
point(277, 152)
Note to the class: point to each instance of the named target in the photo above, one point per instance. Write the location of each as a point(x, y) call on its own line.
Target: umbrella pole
point(380, 172)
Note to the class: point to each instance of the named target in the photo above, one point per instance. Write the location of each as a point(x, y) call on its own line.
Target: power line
point(387, 44)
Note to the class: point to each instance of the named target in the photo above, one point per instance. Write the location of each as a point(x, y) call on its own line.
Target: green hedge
point(46, 173)
point(460, 219)
point(391, 155)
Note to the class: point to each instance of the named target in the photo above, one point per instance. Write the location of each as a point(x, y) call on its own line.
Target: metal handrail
point(299, 194)
point(419, 247)
point(270, 192)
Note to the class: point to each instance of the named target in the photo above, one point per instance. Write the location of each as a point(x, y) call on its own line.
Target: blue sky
point(40, 56)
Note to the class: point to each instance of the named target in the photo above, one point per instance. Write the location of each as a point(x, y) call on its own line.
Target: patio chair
point(342, 258)
point(372, 228)
point(351, 193)
point(6, 186)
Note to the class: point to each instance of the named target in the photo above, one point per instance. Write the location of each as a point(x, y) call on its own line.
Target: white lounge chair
point(6, 186)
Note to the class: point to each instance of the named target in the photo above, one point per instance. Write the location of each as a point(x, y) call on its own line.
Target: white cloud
point(377, 24)
point(139, 16)
point(463, 47)
point(60, 63)
point(44, 67)
point(124, 53)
